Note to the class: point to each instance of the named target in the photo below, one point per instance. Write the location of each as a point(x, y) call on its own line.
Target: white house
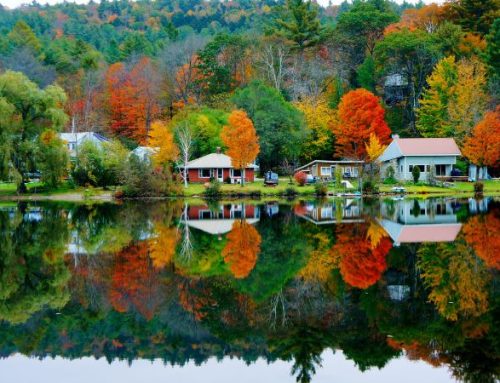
point(75, 140)
point(403, 154)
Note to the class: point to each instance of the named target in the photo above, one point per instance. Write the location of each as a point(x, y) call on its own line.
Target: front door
point(220, 175)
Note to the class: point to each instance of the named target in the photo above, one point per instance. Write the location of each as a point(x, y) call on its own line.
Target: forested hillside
point(123, 65)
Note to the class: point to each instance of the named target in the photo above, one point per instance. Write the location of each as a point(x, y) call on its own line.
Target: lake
point(335, 290)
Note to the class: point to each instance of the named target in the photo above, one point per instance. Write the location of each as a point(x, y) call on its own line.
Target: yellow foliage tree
point(162, 140)
point(319, 117)
point(241, 140)
point(374, 148)
point(162, 246)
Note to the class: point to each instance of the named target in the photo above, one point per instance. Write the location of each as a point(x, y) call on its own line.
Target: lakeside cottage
point(75, 140)
point(403, 154)
point(218, 166)
point(325, 169)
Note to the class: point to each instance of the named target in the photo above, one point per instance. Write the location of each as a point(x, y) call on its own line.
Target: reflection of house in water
point(334, 211)
point(416, 221)
point(220, 220)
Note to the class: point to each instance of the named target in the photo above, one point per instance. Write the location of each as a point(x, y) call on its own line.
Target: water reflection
point(377, 279)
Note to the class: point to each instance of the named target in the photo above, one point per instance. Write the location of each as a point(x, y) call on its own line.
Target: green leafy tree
point(279, 125)
point(366, 74)
point(475, 15)
point(53, 158)
point(25, 112)
point(299, 23)
point(23, 36)
point(415, 173)
point(492, 54)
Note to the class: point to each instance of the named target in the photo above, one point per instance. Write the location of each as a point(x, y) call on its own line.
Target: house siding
point(315, 169)
point(402, 165)
point(194, 176)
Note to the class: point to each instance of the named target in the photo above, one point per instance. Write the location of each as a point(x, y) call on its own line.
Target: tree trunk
point(242, 177)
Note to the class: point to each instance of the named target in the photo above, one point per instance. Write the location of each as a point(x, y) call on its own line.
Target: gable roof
point(331, 162)
point(404, 147)
point(421, 233)
point(81, 136)
point(214, 160)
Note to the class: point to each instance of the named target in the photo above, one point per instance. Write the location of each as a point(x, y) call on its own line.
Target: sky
point(336, 368)
point(16, 3)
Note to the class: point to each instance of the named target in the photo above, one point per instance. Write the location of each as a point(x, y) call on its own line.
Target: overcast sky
point(15, 3)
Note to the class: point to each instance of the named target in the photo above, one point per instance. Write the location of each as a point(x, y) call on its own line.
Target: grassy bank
point(66, 192)
point(490, 187)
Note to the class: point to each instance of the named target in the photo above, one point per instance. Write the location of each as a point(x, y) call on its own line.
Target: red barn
point(219, 167)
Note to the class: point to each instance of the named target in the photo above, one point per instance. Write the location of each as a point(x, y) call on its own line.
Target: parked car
point(310, 179)
point(271, 178)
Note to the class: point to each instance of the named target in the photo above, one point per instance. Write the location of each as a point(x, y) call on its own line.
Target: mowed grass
point(258, 187)
point(492, 186)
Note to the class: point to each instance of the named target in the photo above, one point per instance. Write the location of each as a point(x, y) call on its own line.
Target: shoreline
point(109, 196)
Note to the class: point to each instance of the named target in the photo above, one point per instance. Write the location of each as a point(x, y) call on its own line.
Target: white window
point(326, 171)
point(204, 173)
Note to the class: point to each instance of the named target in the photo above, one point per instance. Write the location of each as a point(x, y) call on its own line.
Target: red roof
point(429, 233)
point(428, 146)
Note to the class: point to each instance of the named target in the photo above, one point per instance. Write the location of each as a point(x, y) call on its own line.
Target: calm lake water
point(340, 290)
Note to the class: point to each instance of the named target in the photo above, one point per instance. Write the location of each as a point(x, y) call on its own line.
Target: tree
point(475, 15)
point(374, 150)
point(492, 54)
point(455, 100)
point(319, 118)
point(161, 139)
point(299, 23)
point(23, 36)
point(242, 249)
point(279, 125)
point(415, 172)
point(426, 18)
point(241, 141)
point(25, 112)
point(53, 158)
point(481, 233)
point(413, 55)
point(184, 137)
point(359, 116)
point(482, 148)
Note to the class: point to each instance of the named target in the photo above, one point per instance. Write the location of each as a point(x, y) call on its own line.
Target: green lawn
point(38, 188)
point(258, 187)
point(461, 187)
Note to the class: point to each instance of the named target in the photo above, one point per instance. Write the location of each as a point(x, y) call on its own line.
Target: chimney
point(218, 151)
point(395, 136)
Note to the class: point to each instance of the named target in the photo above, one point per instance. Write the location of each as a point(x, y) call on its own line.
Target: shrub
point(338, 176)
point(321, 188)
point(478, 187)
point(389, 172)
point(301, 178)
point(139, 180)
point(53, 158)
point(415, 173)
point(390, 181)
point(370, 187)
point(290, 192)
point(213, 190)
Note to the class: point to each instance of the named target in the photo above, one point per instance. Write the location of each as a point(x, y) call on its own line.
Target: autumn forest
point(313, 82)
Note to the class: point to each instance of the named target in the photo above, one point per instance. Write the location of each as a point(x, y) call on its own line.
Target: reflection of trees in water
point(297, 301)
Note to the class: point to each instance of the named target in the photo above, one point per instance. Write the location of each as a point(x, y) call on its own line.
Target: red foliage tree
point(481, 233)
point(133, 99)
point(301, 178)
point(361, 264)
point(359, 115)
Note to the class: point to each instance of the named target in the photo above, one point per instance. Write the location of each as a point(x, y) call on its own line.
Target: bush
point(53, 159)
point(389, 172)
point(415, 172)
point(139, 180)
point(370, 187)
point(321, 188)
point(478, 187)
point(390, 181)
point(213, 190)
point(290, 192)
point(301, 178)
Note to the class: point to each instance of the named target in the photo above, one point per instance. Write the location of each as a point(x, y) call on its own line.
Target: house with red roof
point(218, 166)
point(437, 155)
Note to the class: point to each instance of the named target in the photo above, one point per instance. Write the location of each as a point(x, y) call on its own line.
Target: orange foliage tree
point(132, 99)
point(186, 79)
point(134, 281)
point(359, 116)
point(426, 18)
point(241, 141)
point(481, 233)
point(162, 139)
point(362, 254)
point(162, 247)
point(242, 249)
point(483, 146)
